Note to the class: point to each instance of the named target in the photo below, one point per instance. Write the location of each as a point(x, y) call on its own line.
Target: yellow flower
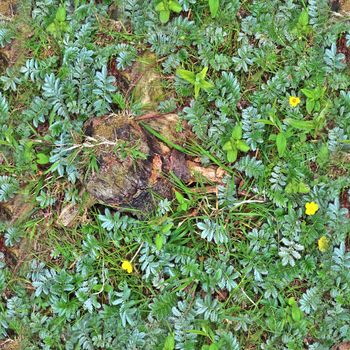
point(323, 244)
point(294, 101)
point(127, 266)
point(311, 208)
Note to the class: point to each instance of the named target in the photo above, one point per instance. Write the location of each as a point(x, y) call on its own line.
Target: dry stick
point(138, 250)
point(91, 145)
point(6, 341)
point(249, 201)
point(150, 115)
point(248, 297)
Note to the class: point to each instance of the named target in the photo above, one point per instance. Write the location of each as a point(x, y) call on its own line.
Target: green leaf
point(214, 7)
point(182, 201)
point(180, 198)
point(159, 240)
point(242, 146)
point(237, 132)
point(323, 155)
point(175, 6)
point(202, 74)
point(227, 146)
point(232, 155)
point(160, 7)
point(164, 16)
point(281, 143)
point(165, 139)
point(197, 88)
point(303, 188)
point(297, 187)
point(51, 28)
point(169, 342)
point(186, 75)
point(319, 92)
point(291, 301)
point(300, 124)
point(296, 313)
point(119, 100)
point(308, 93)
point(266, 122)
point(303, 18)
point(310, 104)
point(167, 227)
point(61, 14)
point(213, 346)
point(317, 106)
point(42, 158)
point(206, 85)
point(290, 188)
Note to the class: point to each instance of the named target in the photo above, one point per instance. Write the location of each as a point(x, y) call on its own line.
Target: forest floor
point(175, 174)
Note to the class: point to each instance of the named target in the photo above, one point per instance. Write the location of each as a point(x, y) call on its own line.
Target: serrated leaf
point(119, 100)
point(303, 188)
point(303, 18)
point(196, 90)
point(186, 75)
point(61, 14)
point(206, 85)
point(202, 74)
point(290, 188)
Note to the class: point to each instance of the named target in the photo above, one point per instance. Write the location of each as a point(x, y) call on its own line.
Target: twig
point(138, 250)
point(248, 297)
point(91, 145)
point(248, 201)
point(150, 115)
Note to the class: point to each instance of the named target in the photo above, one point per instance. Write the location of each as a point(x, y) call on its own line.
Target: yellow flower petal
point(127, 266)
point(323, 244)
point(294, 101)
point(311, 208)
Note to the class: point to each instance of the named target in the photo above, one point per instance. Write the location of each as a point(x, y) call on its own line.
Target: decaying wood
point(128, 181)
point(342, 346)
point(135, 167)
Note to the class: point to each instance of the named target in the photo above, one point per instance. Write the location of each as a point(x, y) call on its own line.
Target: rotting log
point(135, 166)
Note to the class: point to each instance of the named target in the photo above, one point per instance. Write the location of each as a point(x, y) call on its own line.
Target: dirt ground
point(345, 6)
point(7, 8)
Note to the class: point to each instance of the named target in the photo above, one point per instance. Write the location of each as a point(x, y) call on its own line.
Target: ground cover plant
point(258, 258)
